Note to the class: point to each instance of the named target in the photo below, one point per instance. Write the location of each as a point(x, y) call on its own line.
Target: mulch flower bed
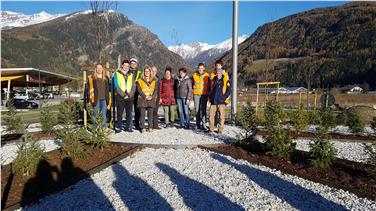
point(354, 177)
point(56, 173)
point(39, 135)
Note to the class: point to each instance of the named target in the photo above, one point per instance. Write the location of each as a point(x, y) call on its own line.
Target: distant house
point(290, 90)
point(355, 90)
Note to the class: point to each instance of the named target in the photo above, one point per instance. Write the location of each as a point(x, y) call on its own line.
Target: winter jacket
point(91, 90)
point(142, 102)
point(167, 92)
point(184, 88)
point(158, 90)
point(130, 89)
point(220, 91)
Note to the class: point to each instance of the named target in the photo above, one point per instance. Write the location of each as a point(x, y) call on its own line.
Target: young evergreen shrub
point(314, 117)
point(373, 127)
point(274, 114)
point(341, 118)
point(354, 122)
point(260, 118)
point(327, 118)
point(70, 133)
point(99, 136)
point(299, 118)
point(279, 142)
point(47, 119)
point(14, 123)
point(322, 152)
point(29, 154)
point(246, 119)
point(370, 149)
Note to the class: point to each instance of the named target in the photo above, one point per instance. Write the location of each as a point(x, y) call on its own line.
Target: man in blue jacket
point(219, 97)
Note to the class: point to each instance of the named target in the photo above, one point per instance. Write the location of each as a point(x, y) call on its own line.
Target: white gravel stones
point(173, 136)
point(195, 179)
point(347, 150)
point(342, 130)
point(353, 151)
point(9, 151)
point(34, 127)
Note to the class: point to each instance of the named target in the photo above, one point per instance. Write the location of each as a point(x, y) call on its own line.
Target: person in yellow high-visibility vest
point(125, 87)
point(201, 85)
point(147, 95)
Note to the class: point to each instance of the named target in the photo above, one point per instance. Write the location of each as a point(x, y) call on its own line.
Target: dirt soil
point(354, 177)
point(55, 174)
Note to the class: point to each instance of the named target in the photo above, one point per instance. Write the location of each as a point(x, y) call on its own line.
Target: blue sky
point(209, 22)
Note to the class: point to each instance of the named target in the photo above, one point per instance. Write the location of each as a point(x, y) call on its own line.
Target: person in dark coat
point(184, 97)
point(137, 73)
point(147, 95)
point(154, 73)
point(168, 97)
point(219, 98)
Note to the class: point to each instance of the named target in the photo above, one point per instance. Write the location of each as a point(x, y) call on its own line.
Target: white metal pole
point(234, 60)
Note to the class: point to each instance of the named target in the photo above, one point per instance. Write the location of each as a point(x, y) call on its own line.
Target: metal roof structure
point(32, 77)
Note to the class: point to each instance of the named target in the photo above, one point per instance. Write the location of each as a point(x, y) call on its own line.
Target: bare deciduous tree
point(101, 25)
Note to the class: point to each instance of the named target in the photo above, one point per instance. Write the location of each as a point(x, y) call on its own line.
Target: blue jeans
point(183, 111)
point(102, 107)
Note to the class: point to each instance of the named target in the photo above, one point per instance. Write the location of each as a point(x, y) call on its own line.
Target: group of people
point(143, 91)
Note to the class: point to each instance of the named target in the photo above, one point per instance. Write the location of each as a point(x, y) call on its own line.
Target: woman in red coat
point(168, 97)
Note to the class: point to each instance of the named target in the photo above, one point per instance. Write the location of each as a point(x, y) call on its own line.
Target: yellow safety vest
point(91, 89)
point(200, 83)
point(224, 87)
point(147, 89)
point(125, 86)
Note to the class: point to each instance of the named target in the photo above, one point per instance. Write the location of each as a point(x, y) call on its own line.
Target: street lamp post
point(234, 60)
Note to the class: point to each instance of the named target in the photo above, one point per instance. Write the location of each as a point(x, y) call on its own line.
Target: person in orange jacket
point(98, 93)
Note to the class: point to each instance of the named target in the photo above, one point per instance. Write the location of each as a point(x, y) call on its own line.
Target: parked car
point(48, 95)
point(21, 95)
point(23, 104)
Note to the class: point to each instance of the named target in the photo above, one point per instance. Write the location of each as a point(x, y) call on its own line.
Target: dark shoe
point(130, 130)
point(157, 128)
point(187, 127)
point(172, 125)
point(142, 130)
point(117, 131)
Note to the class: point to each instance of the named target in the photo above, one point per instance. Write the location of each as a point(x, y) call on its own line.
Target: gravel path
point(173, 136)
point(195, 179)
point(9, 151)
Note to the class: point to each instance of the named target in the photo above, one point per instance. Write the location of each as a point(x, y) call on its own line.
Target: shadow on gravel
point(297, 196)
point(196, 195)
point(226, 139)
point(136, 193)
point(44, 183)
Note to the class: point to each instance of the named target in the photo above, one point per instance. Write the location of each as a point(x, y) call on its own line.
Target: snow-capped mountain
point(10, 19)
point(203, 52)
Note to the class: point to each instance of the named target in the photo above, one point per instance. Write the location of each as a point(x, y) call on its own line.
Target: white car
point(22, 95)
